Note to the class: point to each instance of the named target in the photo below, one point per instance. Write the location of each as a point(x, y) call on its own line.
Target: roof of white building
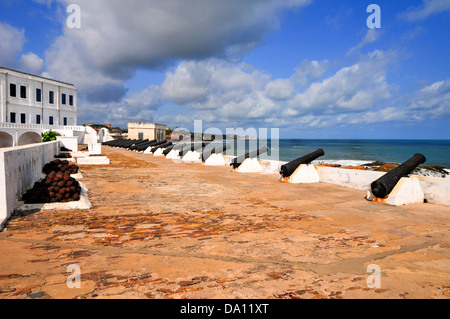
point(33, 75)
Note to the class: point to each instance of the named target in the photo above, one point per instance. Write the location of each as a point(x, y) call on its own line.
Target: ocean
point(353, 152)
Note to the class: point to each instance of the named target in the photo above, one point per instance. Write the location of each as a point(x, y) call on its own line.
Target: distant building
point(151, 131)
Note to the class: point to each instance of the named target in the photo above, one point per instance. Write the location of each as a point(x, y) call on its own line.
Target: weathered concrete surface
point(165, 229)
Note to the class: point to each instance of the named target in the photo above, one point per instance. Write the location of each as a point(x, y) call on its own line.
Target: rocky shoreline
point(423, 170)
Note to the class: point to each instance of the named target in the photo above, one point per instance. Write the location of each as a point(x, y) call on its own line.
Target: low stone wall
point(20, 168)
point(435, 189)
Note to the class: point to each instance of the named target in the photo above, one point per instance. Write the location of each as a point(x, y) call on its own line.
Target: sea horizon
point(352, 152)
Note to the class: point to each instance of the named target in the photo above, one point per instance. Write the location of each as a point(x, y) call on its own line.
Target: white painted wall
point(436, 190)
point(20, 168)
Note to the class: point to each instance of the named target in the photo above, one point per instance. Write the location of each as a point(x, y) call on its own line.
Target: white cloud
point(118, 37)
point(11, 44)
point(12, 41)
point(31, 63)
point(371, 36)
point(432, 101)
point(427, 9)
point(280, 89)
point(356, 87)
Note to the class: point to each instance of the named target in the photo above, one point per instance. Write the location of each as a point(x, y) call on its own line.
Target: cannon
point(192, 147)
point(168, 149)
point(117, 143)
point(161, 146)
point(128, 143)
point(215, 150)
point(145, 146)
point(156, 144)
point(135, 146)
point(173, 147)
point(289, 168)
point(236, 162)
point(132, 146)
point(386, 183)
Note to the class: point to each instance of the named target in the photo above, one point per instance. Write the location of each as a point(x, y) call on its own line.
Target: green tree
point(49, 136)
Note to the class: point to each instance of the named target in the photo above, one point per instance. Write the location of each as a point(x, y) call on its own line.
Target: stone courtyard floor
point(162, 229)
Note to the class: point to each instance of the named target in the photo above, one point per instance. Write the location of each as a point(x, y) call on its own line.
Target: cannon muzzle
point(214, 150)
point(386, 183)
point(289, 168)
point(236, 162)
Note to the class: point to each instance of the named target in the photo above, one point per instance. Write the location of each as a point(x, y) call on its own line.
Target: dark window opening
point(50, 120)
point(13, 117)
point(23, 92)
point(12, 90)
point(70, 99)
point(63, 99)
point(38, 95)
point(65, 121)
point(51, 97)
point(38, 119)
point(23, 118)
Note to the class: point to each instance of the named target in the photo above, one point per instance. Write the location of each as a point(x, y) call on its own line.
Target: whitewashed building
point(31, 104)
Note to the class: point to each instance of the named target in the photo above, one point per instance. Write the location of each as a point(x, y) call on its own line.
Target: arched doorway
point(29, 138)
point(6, 140)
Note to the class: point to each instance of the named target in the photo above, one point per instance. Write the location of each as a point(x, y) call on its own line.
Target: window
point(13, 117)
point(38, 95)
point(12, 90)
point(23, 92)
point(50, 120)
point(38, 119)
point(51, 97)
point(63, 99)
point(140, 136)
point(23, 118)
point(70, 99)
point(65, 121)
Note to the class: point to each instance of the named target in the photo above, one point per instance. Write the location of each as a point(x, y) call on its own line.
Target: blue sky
point(311, 68)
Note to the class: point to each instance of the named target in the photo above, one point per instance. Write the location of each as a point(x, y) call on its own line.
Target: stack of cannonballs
point(57, 187)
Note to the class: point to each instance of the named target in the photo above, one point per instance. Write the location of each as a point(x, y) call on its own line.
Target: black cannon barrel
point(161, 146)
point(215, 150)
point(143, 146)
point(156, 144)
point(114, 142)
point(129, 143)
point(135, 145)
point(289, 168)
point(178, 146)
point(168, 149)
point(173, 147)
point(191, 147)
point(118, 143)
point(386, 183)
point(240, 159)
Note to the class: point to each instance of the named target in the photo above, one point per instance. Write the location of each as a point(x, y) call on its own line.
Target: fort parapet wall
point(435, 189)
point(20, 168)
